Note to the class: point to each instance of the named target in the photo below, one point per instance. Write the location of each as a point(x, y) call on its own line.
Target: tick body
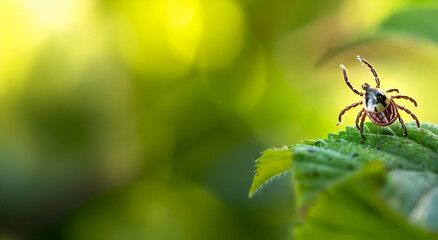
point(385, 117)
point(378, 104)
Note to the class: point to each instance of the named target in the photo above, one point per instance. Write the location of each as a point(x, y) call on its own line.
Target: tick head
point(366, 87)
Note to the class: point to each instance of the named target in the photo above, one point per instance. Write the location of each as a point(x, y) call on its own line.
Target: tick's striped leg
point(358, 118)
point(410, 113)
point(393, 90)
point(407, 98)
point(346, 109)
point(372, 70)
point(403, 125)
point(348, 82)
point(361, 126)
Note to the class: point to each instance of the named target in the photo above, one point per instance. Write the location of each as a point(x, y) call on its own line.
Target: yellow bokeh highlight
point(166, 39)
point(183, 28)
point(53, 15)
point(19, 42)
point(139, 29)
point(27, 25)
point(223, 33)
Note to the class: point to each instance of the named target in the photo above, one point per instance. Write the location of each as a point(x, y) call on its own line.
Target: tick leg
point(358, 118)
point(372, 70)
point(410, 113)
point(403, 125)
point(361, 126)
point(348, 82)
point(393, 90)
point(407, 98)
point(346, 109)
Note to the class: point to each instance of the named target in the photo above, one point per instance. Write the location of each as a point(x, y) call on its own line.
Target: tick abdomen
point(386, 117)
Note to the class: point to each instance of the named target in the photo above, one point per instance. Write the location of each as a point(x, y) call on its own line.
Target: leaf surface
point(272, 163)
point(354, 209)
point(411, 167)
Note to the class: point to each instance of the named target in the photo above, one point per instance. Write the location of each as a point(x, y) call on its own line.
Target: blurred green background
point(142, 119)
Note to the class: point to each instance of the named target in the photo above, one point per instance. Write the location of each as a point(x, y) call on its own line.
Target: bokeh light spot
point(223, 33)
point(184, 25)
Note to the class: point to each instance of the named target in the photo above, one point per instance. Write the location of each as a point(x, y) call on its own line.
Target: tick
point(378, 104)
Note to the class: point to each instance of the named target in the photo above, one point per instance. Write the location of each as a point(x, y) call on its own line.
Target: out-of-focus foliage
point(354, 210)
point(124, 118)
point(407, 22)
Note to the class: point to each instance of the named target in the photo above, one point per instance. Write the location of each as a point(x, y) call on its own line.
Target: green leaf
point(273, 163)
point(413, 22)
point(350, 43)
point(415, 194)
point(319, 165)
point(354, 209)
point(419, 23)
